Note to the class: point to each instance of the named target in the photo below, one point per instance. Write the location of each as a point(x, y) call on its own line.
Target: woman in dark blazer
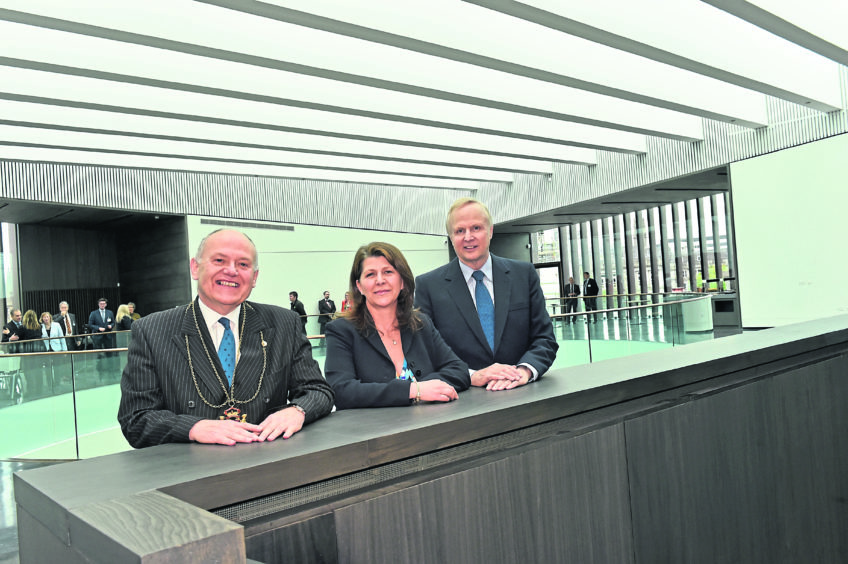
point(123, 319)
point(32, 366)
point(382, 352)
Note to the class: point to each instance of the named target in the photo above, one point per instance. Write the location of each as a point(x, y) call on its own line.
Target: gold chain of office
point(232, 412)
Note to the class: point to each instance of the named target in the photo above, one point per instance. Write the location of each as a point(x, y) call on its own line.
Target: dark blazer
point(362, 374)
point(13, 330)
point(326, 308)
point(27, 342)
point(572, 289)
point(95, 321)
point(72, 342)
point(591, 287)
point(160, 401)
point(523, 329)
point(297, 307)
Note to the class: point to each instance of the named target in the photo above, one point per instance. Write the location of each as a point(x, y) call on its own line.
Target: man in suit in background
point(68, 322)
point(102, 321)
point(490, 310)
point(133, 313)
point(220, 369)
point(590, 291)
point(326, 308)
point(297, 307)
point(11, 330)
point(572, 290)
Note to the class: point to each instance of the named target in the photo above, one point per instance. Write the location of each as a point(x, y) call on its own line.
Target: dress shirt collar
point(216, 330)
point(486, 269)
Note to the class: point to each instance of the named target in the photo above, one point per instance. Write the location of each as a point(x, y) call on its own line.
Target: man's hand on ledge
point(226, 432)
point(285, 422)
point(498, 377)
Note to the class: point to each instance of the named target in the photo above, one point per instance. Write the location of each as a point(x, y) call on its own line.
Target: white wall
point(791, 219)
point(312, 259)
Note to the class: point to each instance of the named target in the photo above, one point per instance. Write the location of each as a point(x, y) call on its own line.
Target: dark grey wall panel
point(146, 263)
point(756, 474)
point(154, 265)
point(512, 245)
point(58, 258)
point(565, 501)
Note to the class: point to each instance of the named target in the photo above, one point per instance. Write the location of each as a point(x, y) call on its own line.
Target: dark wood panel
point(757, 474)
point(390, 528)
point(312, 541)
point(562, 501)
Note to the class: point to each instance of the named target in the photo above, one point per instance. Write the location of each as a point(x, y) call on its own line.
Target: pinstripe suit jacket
point(161, 400)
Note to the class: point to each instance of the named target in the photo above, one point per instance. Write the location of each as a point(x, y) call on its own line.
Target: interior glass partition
point(64, 405)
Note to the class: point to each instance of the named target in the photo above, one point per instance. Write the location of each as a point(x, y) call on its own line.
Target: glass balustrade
point(64, 405)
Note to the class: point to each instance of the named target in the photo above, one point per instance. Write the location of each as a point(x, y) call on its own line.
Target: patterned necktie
point(67, 326)
point(227, 350)
point(485, 308)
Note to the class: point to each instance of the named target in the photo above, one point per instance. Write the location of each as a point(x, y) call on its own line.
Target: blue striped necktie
point(227, 350)
point(485, 308)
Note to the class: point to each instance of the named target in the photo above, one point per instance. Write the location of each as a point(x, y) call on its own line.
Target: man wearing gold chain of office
point(221, 369)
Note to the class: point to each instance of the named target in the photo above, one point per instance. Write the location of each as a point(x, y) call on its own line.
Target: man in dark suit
point(220, 369)
point(68, 322)
point(11, 332)
point(297, 307)
point(590, 291)
point(496, 320)
point(572, 290)
point(326, 307)
point(102, 320)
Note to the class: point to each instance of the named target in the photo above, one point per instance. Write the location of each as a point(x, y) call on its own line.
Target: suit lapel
point(204, 372)
point(374, 340)
point(251, 358)
point(503, 295)
point(457, 288)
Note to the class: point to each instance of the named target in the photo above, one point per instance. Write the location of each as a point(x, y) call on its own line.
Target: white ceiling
point(435, 93)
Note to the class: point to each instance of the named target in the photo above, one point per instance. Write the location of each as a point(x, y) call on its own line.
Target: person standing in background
point(297, 307)
point(68, 322)
point(133, 313)
point(590, 291)
point(326, 309)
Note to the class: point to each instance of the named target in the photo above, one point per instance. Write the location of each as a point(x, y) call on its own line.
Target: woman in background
point(123, 318)
point(53, 333)
point(32, 365)
point(383, 352)
point(347, 305)
point(56, 368)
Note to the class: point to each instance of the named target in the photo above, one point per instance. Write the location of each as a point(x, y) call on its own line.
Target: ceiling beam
point(532, 51)
point(196, 30)
point(817, 25)
point(693, 36)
